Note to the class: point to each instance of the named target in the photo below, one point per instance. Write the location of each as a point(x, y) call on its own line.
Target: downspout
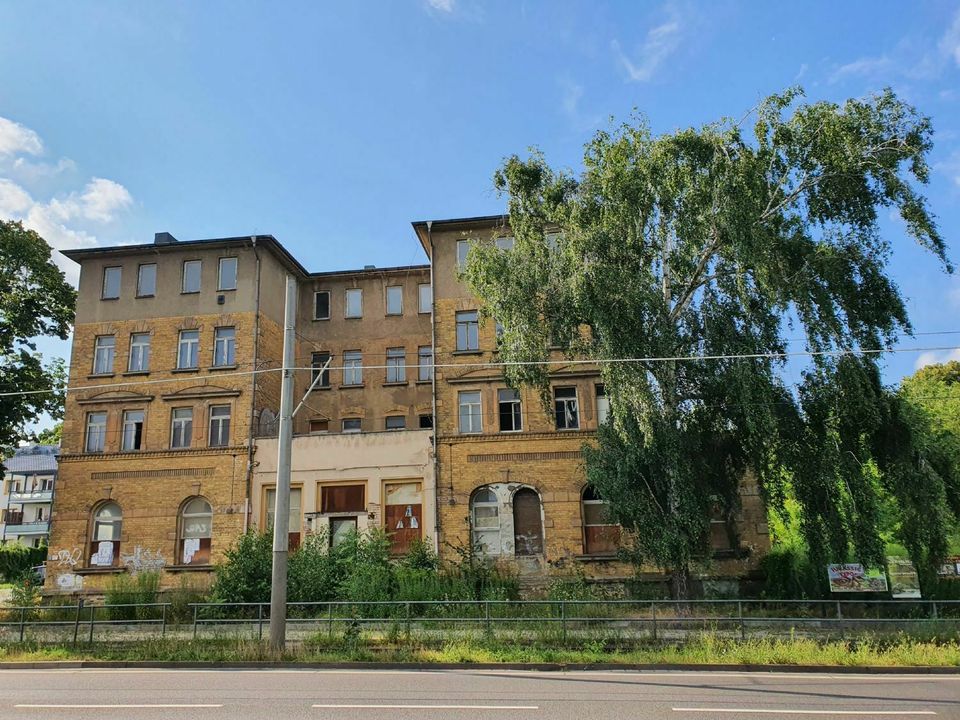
point(433, 388)
point(253, 392)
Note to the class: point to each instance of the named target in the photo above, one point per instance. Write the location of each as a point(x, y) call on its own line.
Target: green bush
point(140, 589)
point(190, 590)
point(245, 574)
point(17, 559)
point(789, 574)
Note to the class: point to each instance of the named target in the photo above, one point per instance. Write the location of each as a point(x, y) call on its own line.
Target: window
point(498, 332)
point(354, 303)
point(425, 294)
point(395, 300)
point(105, 539)
point(111, 283)
point(424, 363)
point(132, 438)
point(321, 305)
point(139, 360)
point(181, 430)
point(603, 405)
point(485, 521)
point(396, 422)
point(319, 426)
point(553, 239)
point(341, 528)
point(527, 523)
point(463, 247)
point(219, 425)
point(147, 280)
point(426, 422)
point(196, 529)
point(352, 367)
point(396, 365)
point(342, 498)
point(470, 413)
point(190, 282)
point(103, 349)
point(227, 274)
point(351, 425)
point(188, 351)
point(403, 515)
point(224, 347)
point(295, 517)
point(600, 536)
point(468, 330)
point(319, 360)
point(505, 242)
point(96, 432)
point(565, 408)
point(508, 402)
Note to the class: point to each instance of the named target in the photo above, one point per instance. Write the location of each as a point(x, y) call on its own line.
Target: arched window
point(485, 521)
point(105, 538)
point(196, 526)
point(600, 536)
point(527, 522)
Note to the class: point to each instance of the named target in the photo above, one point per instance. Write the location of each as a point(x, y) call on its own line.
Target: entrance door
point(527, 524)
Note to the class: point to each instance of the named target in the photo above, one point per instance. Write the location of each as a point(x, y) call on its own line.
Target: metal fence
point(563, 619)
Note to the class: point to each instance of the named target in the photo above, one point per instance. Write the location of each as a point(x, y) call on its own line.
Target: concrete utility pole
point(281, 515)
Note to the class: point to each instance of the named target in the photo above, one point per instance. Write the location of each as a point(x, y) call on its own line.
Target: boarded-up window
point(341, 498)
point(600, 536)
point(723, 529)
point(403, 515)
point(527, 523)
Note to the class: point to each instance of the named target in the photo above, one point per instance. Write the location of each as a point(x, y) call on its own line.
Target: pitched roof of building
point(33, 459)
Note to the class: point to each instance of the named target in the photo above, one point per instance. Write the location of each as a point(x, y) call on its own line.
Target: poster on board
point(853, 577)
point(904, 581)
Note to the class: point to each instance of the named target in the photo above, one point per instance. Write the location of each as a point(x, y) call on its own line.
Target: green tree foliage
point(17, 559)
point(35, 300)
point(712, 242)
point(52, 435)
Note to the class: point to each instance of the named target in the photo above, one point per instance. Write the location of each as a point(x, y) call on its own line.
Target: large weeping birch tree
point(687, 265)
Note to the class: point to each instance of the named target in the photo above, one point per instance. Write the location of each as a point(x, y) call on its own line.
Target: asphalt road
point(468, 694)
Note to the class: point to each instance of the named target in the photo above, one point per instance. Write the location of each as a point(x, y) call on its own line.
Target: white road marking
point(772, 711)
point(430, 707)
point(48, 706)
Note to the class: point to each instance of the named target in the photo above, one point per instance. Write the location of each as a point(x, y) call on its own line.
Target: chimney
point(163, 238)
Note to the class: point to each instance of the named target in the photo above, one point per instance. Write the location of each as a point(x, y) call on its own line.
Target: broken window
point(600, 536)
point(132, 430)
point(508, 401)
point(566, 408)
point(603, 405)
point(196, 530)
point(527, 523)
point(105, 541)
point(342, 498)
point(403, 515)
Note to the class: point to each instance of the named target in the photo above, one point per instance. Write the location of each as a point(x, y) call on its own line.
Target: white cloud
point(442, 5)
point(15, 139)
point(950, 167)
point(949, 45)
point(571, 95)
point(863, 67)
point(659, 44)
point(14, 200)
point(936, 358)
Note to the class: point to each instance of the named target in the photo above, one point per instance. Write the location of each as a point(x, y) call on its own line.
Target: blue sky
point(333, 125)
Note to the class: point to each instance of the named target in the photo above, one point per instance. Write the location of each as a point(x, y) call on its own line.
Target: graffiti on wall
point(67, 560)
point(141, 560)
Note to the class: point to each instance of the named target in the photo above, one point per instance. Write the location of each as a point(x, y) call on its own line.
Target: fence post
point(743, 632)
point(653, 612)
point(408, 620)
point(839, 611)
point(260, 621)
point(163, 620)
point(330, 619)
point(93, 612)
point(76, 621)
point(933, 610)
point(486, 611)
point(23, 615)
point(196, 609)
point(563, 622)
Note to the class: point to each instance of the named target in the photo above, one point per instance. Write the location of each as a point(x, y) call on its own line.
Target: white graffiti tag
point(67, 558)
point(143, 560)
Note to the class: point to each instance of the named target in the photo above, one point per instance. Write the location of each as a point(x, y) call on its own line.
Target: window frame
point(396, 371)
point(204, 549)
point(462, 257)
point(401, 418)
point(143, 355)
point(183, 276)
point(461, 403)
point(471, 330)
point(420, 289)
point(398, 293)
point(101, 433)
point(114, 523)
point(293, 536)
point(476, 531)
point(111, 351)
point(343, 425)
point(220, 421)
point(316, 294)
point(123, 430)
point(566, 401)
point(103, 283)
point(140, 269)
point(603, 404)
point(229, 343)
point(596, 500)
point(196, 353)
point(317, 361)
point(236, 271)
point(514, 411)
point(425, 370)
point(346, 303)
point(185, 435)
point(353, 368)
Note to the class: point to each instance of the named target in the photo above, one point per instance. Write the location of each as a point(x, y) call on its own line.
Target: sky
point(333, 125)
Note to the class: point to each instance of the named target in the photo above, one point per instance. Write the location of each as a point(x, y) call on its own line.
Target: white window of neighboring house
point(181, 430)
point(319, 360)
point(111, 283)
point(468, 330)
point(132, 438)
point(321, 305)
point(103, 350)
point(395, 300)
point(353, 307)
point(190, 283)
point(352, 367)
point(219, 425)
point(425, 363)
point(351, 425)
point(188, 351)
point(603, 405)
point(511, 418)
point(147, 280)
point(485, 521)
point(96, 432)
point(224, 346)
point(566, 409)
point(396, 422)
point(471, 416)
point(139, 360)
point(505, 242)
point(227, 274)
point(463, 248)
point(196, 531)
point(425, 293)
point(396, 365)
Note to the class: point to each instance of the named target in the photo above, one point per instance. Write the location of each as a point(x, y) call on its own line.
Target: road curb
point(424, 667)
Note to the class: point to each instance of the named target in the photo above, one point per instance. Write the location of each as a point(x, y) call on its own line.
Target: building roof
point(33, 460)
point(423, 227)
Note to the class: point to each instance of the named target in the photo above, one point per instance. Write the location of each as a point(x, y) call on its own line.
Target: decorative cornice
point(201, 394)
point(167, 453)
point(97, 399)
point(456, 438)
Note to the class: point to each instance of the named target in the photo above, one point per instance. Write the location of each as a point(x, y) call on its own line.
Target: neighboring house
point(169, 449)
point(29, 484)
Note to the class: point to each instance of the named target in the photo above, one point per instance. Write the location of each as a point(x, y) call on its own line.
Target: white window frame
point(478, 533)
point(96, 432)
point(463, 249)
point(316, 294)
point(425, 298)
point(104, 354)
point(232, 260)
point(181, 428)
point(192, 346)
point(396, 365)
point(225, 346)
point(358, 428)
point(140, 269)
point(516, 409)
point(469, 339)
point(138, 360)
point(128, 430)
point(347, 310)
point(317, 361)
point(425, 369)
point(184, 274)
point(397, 292)
point(603, 405)
point(568, 403)
point(352, 367)
point(219, 425)
point(474, 412)
point(108, 272)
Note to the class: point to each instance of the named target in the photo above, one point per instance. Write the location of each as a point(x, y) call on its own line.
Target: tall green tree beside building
point(678, 251)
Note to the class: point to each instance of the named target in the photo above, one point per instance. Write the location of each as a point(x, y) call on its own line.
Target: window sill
point(321, 387)
point(351, 387)
point(220, 368)
point(144, 297)
point(188, 568)
point(131, 373)
point(467, 352)
point(399, 383)
point(399, 314)
point(321, 319)
point(424, 382)
point(95, 376)
point(112, 299)
point(189, 292)
point(222, 290)
point(353, 317)
point(112, 570)
point(571, 429)
point(186, 370)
